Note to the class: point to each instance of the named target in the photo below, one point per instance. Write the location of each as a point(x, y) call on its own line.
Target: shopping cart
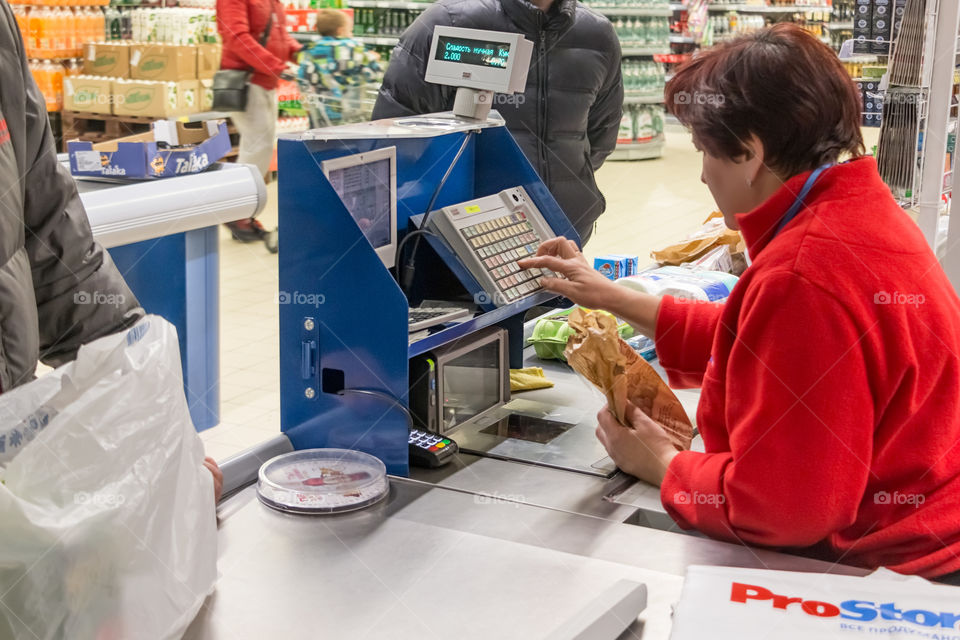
point(331, 106)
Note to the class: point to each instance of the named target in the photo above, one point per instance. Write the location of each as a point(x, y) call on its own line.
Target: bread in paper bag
point(598, 353)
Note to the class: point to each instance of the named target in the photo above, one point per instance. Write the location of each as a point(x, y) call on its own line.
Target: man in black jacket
point(566, 120)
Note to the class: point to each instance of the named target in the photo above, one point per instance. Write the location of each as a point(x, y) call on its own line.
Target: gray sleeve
point(404, 92)
point(603, 121)
point(65, 261)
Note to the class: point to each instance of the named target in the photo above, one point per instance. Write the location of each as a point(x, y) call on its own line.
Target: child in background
point(335, 71)
point(333, 23)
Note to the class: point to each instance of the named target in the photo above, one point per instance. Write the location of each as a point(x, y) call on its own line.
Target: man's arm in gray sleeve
point(404, 92)
point(603, 121)
point(65, 261)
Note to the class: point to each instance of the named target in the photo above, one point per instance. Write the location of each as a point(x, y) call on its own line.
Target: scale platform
point(541, 433)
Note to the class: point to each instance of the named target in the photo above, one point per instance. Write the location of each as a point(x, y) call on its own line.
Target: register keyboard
point(490, 235)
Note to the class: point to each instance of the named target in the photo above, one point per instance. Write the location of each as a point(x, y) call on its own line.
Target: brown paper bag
point(597, 353)
point(712, 234)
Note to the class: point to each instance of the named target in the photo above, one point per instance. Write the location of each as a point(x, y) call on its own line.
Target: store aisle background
point(649, 203)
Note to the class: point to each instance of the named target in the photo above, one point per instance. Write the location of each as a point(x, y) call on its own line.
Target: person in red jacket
point(242, 24)
point(830, 378)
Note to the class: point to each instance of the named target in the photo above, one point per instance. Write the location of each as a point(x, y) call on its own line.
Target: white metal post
point(946, 20)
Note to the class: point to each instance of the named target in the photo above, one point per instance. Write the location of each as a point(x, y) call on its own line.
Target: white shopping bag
point(107, 516)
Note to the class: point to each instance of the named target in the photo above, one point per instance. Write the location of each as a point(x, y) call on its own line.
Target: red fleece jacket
point(241, 24)
point(830, 406)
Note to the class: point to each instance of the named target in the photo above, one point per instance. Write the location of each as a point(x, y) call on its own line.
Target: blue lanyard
point(798, 203)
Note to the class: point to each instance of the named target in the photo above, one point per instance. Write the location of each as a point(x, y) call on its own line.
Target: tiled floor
point(649, 203)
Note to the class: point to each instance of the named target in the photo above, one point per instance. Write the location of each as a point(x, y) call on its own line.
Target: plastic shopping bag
point(107, 517)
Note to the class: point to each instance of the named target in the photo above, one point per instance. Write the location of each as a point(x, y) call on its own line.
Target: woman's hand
point(642, 449)
point(582, 284)
point(214, 469)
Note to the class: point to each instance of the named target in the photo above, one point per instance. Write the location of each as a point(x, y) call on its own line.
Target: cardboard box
point(881, 32)
point(156, 99)
point(862, 26)
point(614, 266)
point(206, 95)
point(106, 59)
point(197, 145)
point(90, 94)
point(189, 96)
point(208, 60)
point(167, 62)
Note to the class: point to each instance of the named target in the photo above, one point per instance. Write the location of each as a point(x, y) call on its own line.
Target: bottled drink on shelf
point(49, 78)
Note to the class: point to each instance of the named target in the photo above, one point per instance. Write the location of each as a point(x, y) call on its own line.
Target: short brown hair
point(330, 21)
point(781, 84)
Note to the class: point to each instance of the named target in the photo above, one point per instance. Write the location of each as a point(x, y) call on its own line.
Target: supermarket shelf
point(387, 4)
point(643, 99)
point(633, 11)
point(639, 151)
point(756, 8)
point(841, 26)
point(383, 41)
point(682, 40)
point(644, 51)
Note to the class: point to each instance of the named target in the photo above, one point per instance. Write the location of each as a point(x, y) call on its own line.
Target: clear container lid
point(322, 481)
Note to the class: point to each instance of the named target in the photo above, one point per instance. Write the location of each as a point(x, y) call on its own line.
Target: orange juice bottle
point(36, 26)
point(20, 14)
point(99, 24)
point(60, 28)
point(57, 73)
point(81, 22)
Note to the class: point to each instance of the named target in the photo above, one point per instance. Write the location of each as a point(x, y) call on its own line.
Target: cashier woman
point(830, 407)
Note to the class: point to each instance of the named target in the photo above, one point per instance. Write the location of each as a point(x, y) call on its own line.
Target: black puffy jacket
point(566, 121)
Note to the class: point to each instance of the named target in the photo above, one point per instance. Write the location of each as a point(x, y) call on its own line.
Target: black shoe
point(249, 230)
point(271, 240)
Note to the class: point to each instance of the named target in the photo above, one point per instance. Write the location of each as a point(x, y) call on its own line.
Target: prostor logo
point(858, 610)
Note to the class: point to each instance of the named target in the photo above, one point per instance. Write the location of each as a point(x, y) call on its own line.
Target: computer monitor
point(367, 185)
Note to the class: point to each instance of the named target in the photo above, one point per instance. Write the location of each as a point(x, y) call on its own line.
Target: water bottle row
point(643, 78)
point(642, 31)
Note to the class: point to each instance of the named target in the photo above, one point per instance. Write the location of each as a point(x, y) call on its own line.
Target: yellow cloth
point(528, 379)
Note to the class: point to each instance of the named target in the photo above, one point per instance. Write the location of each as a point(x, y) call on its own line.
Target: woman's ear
point(753, 164)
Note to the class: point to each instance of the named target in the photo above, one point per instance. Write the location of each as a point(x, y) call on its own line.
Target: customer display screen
point(472, 383)
point(470, 51)
point(365, 191)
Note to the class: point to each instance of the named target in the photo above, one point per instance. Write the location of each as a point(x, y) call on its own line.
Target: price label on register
point(723, 603)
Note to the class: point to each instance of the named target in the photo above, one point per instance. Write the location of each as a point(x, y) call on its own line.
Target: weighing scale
point(319, 481)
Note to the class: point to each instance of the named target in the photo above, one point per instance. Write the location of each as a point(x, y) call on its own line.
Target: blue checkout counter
point(358, 336)
point(163, 237)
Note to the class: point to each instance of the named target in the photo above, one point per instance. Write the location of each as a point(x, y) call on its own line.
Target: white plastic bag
point(107, 516)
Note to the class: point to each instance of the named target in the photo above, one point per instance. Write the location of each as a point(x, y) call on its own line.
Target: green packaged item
point(550, 335)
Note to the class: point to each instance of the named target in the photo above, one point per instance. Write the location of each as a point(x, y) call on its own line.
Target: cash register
point(456, 184)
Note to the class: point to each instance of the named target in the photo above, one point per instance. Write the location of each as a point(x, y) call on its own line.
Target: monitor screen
point(365, 191)
point(476, 52)
point(472, 383)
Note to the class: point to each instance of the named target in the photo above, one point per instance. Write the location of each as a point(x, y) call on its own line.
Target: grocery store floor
point(649, 203)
